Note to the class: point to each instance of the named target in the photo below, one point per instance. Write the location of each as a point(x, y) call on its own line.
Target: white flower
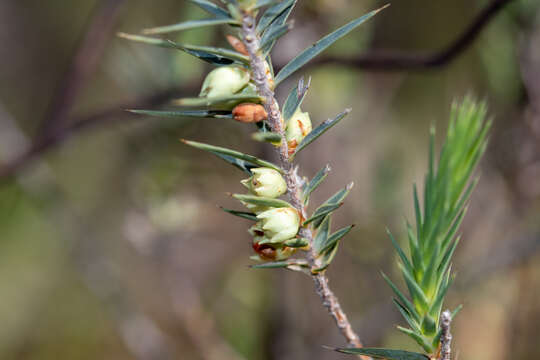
point(279, 224)
point(266, 182)
point(225, 81)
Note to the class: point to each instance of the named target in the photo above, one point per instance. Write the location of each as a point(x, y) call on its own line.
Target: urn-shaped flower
point(224, 81)
point(279, 224)
point(266, 182)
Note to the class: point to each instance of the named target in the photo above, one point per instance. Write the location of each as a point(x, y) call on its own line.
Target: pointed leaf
point(418, 296)
point(403, 300)
point(192, 24)
point(218, 100)
point(269, 38)
point(242, 214)
point(322, 235)
point(273, 13)
point(420, 340)
point(400, 252)
point(406, 315)
point(262, 201)
point(221, 114)
point(295, 99)
point(211, 8)
point(333, 239)
point(320, 46)
point(280, 264)
point(232, 153)
point(212, 55)
point(319, 130)
point(385, 353)
point(321, 212)
point(296, 243)
point(271, 137)
point(315, 182)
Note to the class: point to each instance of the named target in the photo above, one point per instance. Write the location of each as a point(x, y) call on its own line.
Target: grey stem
point(446, 336)
point(264, 88)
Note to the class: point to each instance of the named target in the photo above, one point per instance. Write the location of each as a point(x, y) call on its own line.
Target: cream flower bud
point(279, 224)
point(266, 182)
point(298, 126)
point(224, 81)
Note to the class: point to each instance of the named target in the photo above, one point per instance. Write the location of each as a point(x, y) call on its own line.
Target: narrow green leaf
point(270, 36)
point(192, 24)
point(419, 298)
point(335, 199)
point(295, 99)
point(221, 114)
point(233, 153)
point(262, 201)
point(400, 252)
point(406, 315)
point(245, 166)
point(333, 239)
point(263, 3)
point(315, 182)
point(212, 55)
point(271, 137)
point(272, 13)
point(385, 353)
point(319, 130)
point(322, 235)
point(321, 212)
point(404, 301)
point(420, 340)
point(315, 49)
point(211, 8)
point(242, 214)
point(280, 264)
point(327, 257)
point(218, 100)
point(429, 326)
point(296, 243)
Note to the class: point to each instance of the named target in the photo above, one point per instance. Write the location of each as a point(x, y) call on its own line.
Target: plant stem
point(260, 77)
point(446, 336)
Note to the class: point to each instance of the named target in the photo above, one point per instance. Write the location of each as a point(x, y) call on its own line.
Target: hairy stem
point(446, 336)
point(260, 77)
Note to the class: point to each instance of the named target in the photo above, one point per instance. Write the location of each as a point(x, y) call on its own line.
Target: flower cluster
point(275, 226)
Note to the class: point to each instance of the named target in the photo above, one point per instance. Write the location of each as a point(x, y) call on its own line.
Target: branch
point(398, 60)
point(83, 64)
point(258, 68)
point(115, 113)
point(446, 336)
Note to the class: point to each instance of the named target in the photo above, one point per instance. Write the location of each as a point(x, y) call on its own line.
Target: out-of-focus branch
point(399, 60)
point(109, 115)
point(84, 62)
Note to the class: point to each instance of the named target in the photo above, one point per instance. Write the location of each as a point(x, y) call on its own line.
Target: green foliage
point(234, 157)
point(388, 354)
point(192, 24)
point(220, 114)
point(315, 182)
point(447, 188)
point(309, 53)
point(319, 130)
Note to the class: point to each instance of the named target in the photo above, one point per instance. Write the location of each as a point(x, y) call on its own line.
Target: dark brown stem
point(83, 63)
point(264, 87)
point(399, 60)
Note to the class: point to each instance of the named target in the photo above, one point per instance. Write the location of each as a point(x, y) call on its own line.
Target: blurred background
point(112, 245)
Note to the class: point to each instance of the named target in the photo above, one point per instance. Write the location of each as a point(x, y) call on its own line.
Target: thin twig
point(83, 64)
point(75, 125)
point(258, 68)
point(400, 60)
point(446, 336)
